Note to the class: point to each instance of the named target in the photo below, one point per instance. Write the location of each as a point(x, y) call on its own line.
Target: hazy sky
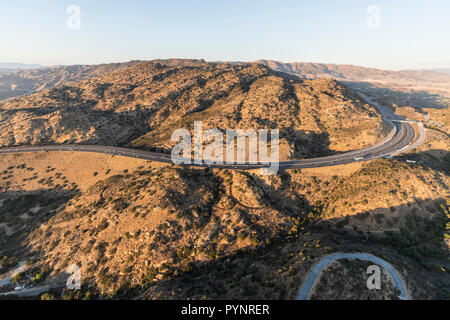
point(411, 34)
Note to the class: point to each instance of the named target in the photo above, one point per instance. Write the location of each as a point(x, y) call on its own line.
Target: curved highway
point(402, 137)
point(313, 276)
point(396, 142)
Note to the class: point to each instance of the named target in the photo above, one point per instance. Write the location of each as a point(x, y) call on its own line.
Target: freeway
point(27, 292)
point(403, 135)
point(398, 141)
point(10, 275)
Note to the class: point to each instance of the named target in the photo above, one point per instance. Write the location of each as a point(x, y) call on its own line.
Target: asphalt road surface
point(396, 142)
point(308, 285)
point(404, 134)
point(29, 292)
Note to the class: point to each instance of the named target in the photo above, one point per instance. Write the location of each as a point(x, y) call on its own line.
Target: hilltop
point(354, 73)
point(141, 105)
point(31, 79)
point(10, 66)
point(412, 88)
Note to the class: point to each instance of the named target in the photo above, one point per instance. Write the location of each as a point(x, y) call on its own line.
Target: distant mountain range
point(8, 66)
point(21, 82)
point(446, 71)
point(18, 79)
point(355, 73)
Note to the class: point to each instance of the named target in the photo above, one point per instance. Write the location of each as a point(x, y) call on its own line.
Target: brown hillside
point(142, 105)
point(353, 73)
point(155, 229)
point(22, 82)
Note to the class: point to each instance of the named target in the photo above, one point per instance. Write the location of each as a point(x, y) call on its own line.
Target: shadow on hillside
point(290, 206)
point(305, 144)
point(24, 211)
point(249, 274)
point(108, 124)
point(311, 144)
point(385, 220)
point(252, 273)
point(436, 159)
point(415, 246)
point(410, 236)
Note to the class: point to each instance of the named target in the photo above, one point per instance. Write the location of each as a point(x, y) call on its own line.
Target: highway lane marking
point(402, 135)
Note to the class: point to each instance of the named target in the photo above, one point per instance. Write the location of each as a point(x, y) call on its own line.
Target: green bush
point(19, 277)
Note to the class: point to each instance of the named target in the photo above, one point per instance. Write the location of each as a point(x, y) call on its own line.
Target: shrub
point(47, 296)
point(19, 277)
